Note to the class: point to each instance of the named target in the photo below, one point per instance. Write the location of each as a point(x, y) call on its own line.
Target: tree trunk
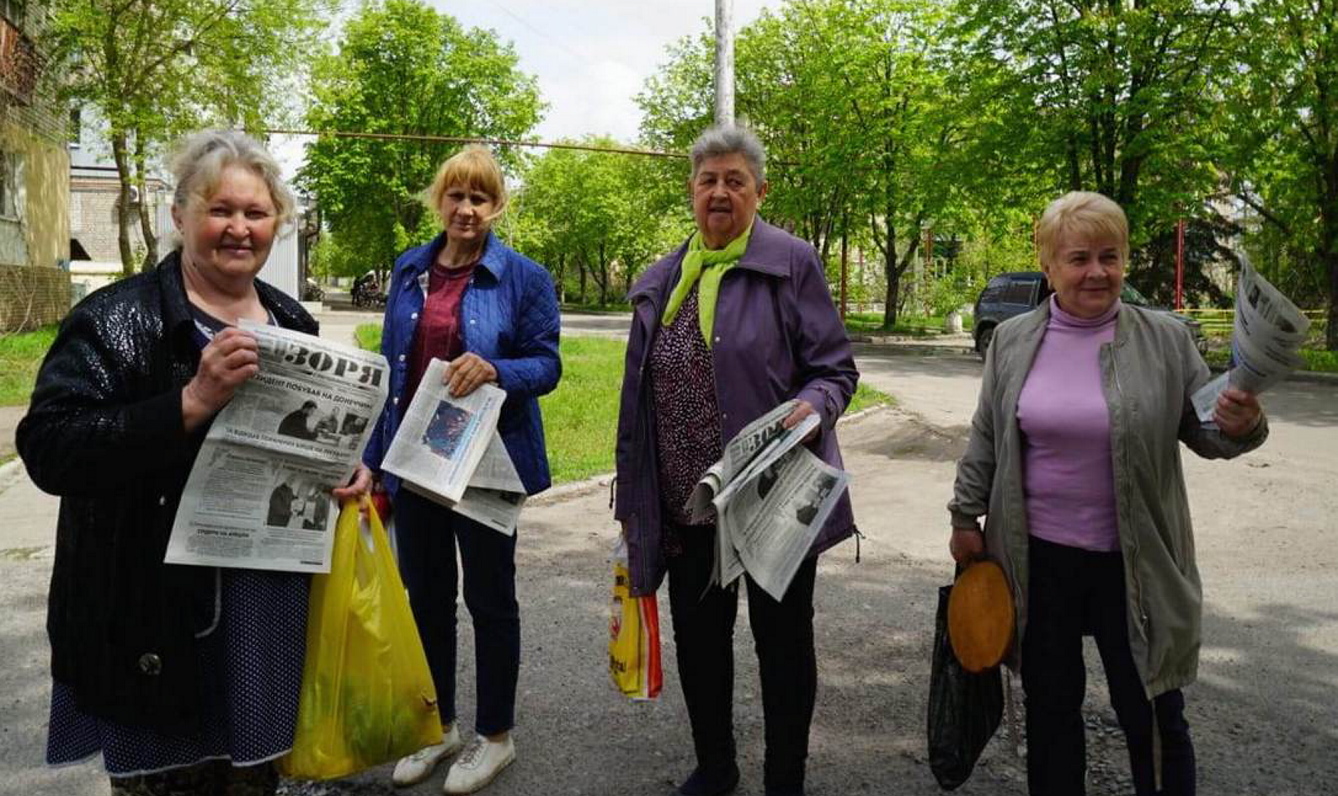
point(121, 157)
point(562, 278)
point(145, 223)
point(580, 263)
point(890, 274)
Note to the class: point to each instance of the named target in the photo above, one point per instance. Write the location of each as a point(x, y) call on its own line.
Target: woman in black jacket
point(185, 679)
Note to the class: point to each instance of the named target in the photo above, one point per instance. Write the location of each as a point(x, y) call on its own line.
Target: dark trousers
point(704, 637)
point(1073, 592)
point(426, 535)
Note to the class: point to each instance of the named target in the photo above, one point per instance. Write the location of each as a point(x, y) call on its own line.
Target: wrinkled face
point(1086, 273)
point(724, 198)
point(227, 236)
point(466, 213)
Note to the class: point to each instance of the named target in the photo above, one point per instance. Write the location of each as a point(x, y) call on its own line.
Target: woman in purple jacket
point(735, 322)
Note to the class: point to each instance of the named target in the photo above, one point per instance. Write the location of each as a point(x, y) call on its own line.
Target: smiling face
point(725, 196)
point(226, 236)
point(1086, 272)
point(466, 213)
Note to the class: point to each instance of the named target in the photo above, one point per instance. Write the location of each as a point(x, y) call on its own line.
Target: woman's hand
point(802, 410)
point(966, 545)
point(359, 485)
point(466, 373)
point(230, 359)
point(1237, 412)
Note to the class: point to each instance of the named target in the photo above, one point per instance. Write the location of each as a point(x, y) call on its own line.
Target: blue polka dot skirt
point(251, 678)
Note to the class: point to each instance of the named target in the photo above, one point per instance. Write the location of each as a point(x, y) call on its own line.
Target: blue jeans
point(1073, 592)
point(426, 535)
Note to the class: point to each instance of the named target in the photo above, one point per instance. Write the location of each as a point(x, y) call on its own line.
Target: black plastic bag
point(964, 708)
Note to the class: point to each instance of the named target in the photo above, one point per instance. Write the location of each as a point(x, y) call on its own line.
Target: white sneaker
point(418, 766)
point(479, 764)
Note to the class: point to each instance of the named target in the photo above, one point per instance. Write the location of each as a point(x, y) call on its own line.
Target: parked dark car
point(1007, 295)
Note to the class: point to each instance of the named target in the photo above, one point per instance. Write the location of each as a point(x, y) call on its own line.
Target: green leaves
point(404, 68)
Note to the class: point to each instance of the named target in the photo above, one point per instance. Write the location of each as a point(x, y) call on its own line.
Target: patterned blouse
point(687, 418)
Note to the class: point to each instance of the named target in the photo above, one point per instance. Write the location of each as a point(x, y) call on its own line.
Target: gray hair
point(727, 140)
point(201, 158)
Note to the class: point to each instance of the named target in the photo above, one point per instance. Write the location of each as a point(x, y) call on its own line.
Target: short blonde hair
point(201, 159)
point(475, 168)
point(1084, 213)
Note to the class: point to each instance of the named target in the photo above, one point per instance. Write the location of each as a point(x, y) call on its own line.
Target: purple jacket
point(777, 336)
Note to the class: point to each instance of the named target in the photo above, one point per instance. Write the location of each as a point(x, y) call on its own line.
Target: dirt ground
point(1263, 712)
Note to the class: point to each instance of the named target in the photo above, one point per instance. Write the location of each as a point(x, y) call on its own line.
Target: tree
point(599, 213)
point(1111, 96)
point(155, 69)
point(403, 68)
point(1282, 162)
point(860, 111)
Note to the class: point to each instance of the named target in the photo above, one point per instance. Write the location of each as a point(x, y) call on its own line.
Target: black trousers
point(1073, 592)
point(783, 637)
point(426, 534)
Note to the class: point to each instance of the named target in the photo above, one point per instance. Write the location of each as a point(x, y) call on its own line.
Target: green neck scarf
point(708, 266)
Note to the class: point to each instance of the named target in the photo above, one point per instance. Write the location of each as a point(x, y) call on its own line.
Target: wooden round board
point(980, 616)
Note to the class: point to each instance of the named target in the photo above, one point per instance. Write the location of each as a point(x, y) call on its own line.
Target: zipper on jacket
point(1133, 538)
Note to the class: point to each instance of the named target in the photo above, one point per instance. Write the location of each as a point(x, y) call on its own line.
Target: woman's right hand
point(230, 359)
point(966, 545)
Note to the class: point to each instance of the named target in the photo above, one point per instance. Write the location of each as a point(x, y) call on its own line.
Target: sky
point(591, 57)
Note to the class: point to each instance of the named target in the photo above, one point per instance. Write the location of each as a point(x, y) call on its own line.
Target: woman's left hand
point(796, 416)
point(467, 372)
point(359, 485)
point(1237, 412)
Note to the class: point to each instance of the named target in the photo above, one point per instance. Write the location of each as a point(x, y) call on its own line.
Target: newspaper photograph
point(258, 495)
point(773, 521)
point(770, 496)
point(1267, 331)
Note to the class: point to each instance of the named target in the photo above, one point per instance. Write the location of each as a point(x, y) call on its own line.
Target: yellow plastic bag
point(367, 693)
point(634, 635)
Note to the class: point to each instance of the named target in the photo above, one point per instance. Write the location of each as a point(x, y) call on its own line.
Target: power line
point(454, 139)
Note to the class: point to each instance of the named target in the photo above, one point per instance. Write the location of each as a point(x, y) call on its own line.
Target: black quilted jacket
point(105, 433)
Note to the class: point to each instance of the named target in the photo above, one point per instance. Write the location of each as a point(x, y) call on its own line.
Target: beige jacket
point(1148, 374)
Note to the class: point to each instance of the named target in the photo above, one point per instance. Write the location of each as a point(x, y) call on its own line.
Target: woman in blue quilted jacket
point(492, 315)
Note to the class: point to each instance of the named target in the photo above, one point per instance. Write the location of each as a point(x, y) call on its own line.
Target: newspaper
point(1267, 333)
point(447, 449)
point(770, 496)
point(258, 495)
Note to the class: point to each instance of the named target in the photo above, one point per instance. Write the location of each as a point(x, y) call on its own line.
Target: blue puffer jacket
point(509, 316)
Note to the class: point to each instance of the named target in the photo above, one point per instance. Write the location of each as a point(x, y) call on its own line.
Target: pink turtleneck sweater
point(1068, 477)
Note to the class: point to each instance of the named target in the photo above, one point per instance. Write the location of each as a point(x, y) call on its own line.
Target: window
point(11, 185)
point(1019, 291)
point(76, 126)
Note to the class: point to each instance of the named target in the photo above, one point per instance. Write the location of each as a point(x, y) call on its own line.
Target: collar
point(493, 260)
point(768, 250)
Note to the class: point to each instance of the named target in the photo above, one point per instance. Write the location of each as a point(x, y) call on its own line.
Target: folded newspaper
point(770, 496)
point(447, 449)
point(1267, 333)
point(258, 495)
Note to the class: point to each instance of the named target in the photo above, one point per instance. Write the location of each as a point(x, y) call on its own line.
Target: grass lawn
point(911, 326)
point(1316, 360)
point(20, 357)
point(581, 415)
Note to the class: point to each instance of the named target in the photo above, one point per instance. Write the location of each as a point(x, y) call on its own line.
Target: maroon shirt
point(438, 334)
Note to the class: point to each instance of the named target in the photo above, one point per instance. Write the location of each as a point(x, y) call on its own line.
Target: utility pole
point(724, 62)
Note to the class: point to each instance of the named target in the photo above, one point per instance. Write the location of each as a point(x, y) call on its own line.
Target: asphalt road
point(1262, 710)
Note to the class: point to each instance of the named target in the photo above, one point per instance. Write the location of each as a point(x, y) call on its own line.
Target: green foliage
point(595, 220)
point(156, 69)
point(20, 358)
point(404, 68)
